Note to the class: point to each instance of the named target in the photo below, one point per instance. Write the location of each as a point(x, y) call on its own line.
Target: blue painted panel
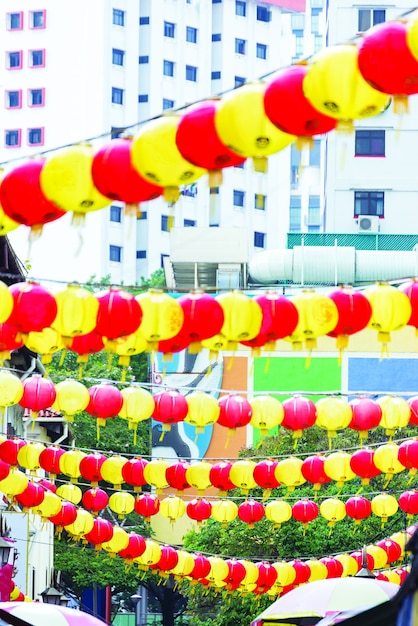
point(389, 374)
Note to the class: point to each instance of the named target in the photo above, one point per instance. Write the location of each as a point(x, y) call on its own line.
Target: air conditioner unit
point(368, 223)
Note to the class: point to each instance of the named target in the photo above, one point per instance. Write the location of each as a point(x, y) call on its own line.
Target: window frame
point(8, 59)
point(261, 47)
point(165, 219)
point(7, 95)
point(238, 198)
point(188, 223)
point(9, 16)
point(259, 238)
point(18, 132)
point(295, 211)
point(260, 201)
point(30, 97)
point(141, 254)
point(262, 13)
point(118, 54)
point(363, 206)
point(116, 92)
point(165, 104)
point(169, 29)
point(115, 211)
point(143, 98)
point(191, 73)
point(369, 138)
point(115, 251)
point(373, 21)
point(216, 37)
point(239, 81)
point(32, 19)
point(191, 30)
point(240, 46)
point(216, 75)
point(144, 20)
point(41, 136)
point(168, 64)
point(33, 65)
point(116, 15)
point(240, 8)
point(143, 59)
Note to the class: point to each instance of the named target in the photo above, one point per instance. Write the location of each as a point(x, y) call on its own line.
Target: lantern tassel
point(62, 357)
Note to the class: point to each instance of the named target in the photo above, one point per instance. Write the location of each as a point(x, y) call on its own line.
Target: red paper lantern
point(408, 502)
point(392, 549)
point(210, 153)
point(354, 313)
point(38, 393)
point(32, 496)
point(9, 450)
point(358, 508)
point(95, 500)
point(410, 288)
point(288, 108)
point(362, 464)
point(10, 339)
point(168, 559)
point(116, 178)
point(313, 470)
point(147, 505)
point(251, 512)
point(83, 345)
point(299, 414)
point(176, 476)
point(366, 415)
point(219, 477)
point(334, 568)
point(66, 516)
point(22, 199)
point(305, 511)
point(133, 473)
point(408, 456)
point(413, 405)
point(105, 402)
point(101, 532)
point(136, 546)
point(119, 313)
point(49, 460)
point(199, 509)
point(264, 476)
point(170, 407)
point(201, 568)
point(203, 316)
point(280, 318)
point(236, 574)
point(4, 469)
point(267, 576)
point(90, 467)
point(34, 309)
point(179, 342)
point(302, 570)
point(235, 412)
point(358, 556)
point(386, 62)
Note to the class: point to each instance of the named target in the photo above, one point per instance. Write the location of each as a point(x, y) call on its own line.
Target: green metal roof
point(360, 241)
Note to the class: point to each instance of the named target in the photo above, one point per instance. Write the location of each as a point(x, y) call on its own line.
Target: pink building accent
point(290, 5)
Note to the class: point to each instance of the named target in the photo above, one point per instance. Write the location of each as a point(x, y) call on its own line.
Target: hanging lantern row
point(337, 86)
point(274, 579)
point(291, 472)
point(123, 324)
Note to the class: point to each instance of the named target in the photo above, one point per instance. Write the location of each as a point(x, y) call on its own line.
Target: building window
point(261, 51)
point(318, 43)
point(240, 8)
point(216, 37)
point(117, 95)
point(238, 81)
point(239, 198)
point(115, 253)
point(118, 56)
point(169, 29)
point(298, 42)
point(35, 136)
point(168, 68)
point(143, 97)
point(370, 17)
point(164, 223)
point(370, 143)
point(297, 21)
point(142, 216)
point(15, 21)
point(168, 104)
point(14, 60)
point(263, 14)
point(116, 132)
point(315, 154)
point(369, 203)
point(36, 58)
point(143, 21)
point(240, 165)
point(189, 190)
point(315, 19)
point(13, 99)
point(12, 138)
point(118, 17)
point(37, 19)
point(115, 213)
point(36, 97)
point(216, 1)
point(259, 240)
point(191, 73)
point(240, 45)
point(260, 201)
point(215, 75)
point(162, 257)
point(191, 34)
point(314, 211)
point(143, 59)
point(189, 223)
point(294, 213)
point(141, 254)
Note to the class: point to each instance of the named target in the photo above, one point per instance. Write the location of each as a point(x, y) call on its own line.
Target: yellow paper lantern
point(384, 506)
point(111, 470)
point(118, 542)
point(333, 510)
point(154, 474)
point(125, 347)
point(391, 310)
point(379, 555)
point(318, 570)
point(318, 315)
point(396, 413)
point(14, 483)
point(51, 505)
point(156, 157)
point(335, 86)
point(218, 570)
point(224, 511)
point(337, 467)
point(77, 311)
point(203, 410)
point(385, 458)
point(6, 302)
point(70, 492)
point(11, 389)
point(28, 455)
point(392, 576)
point(349, 563)
point(267, 413)
point(401, 539)
point(138, 405)
point(172, 508)
point(185, 564)
point(251, 573)
point(412, 34)
point(71, 397)
point(286, 575)
point(242, 317)
point(289, 472)
point(122, 503)
point(82, 524)
point(333, 414)
point(278, 512)
point(197, 475)
point(6, 223)
point(45, 342)
point(241, 475)
point(215, 344)
point(66, 180)
point(150, 556)
point(162, 316)
point(242, 124)
point(70, 463)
